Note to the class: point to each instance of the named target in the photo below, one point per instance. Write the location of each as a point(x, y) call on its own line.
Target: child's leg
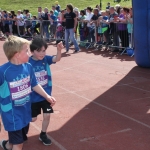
point(17, 147)
point(36, 110)
point(46, 120)
point(47, 109)
point(16, 139)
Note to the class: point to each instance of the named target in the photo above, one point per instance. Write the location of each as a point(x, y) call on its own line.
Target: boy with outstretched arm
point(40, 62)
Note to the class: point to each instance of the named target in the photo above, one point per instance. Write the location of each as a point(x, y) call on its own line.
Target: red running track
point(103, 102)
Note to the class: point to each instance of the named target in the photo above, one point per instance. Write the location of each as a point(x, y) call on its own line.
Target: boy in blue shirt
point(17, 78)
point(53, 20)
point(40, 62)
point(32, 29)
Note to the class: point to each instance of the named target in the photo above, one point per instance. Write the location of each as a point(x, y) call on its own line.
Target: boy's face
point(39, 55)
point(103, 14)
point(24, 54)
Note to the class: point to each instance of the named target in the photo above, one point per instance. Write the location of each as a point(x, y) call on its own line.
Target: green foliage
point(33, 4)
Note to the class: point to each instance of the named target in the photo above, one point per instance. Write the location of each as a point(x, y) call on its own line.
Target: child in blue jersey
point(53, 20)
point(40, 62)
point(32, 29)
point(17, 80)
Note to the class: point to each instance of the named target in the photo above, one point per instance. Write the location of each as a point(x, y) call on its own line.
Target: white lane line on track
point(104, 135)
point(110, 109)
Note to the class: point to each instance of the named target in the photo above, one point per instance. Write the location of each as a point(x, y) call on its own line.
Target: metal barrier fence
point(115, 36)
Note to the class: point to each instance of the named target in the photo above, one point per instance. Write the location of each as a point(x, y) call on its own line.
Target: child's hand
point(60, 46)
point(51, 100)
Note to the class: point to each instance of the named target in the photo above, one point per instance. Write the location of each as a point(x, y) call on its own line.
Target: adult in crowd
point(93, 23)
point(20, 23)
point(108, 5)
point(71, 23)
point(113, 28)
point(27, 17)
point(46, 23)
point(99, 9)
point(117, 8)
point(76, 11)
point(10, 19)
point(40, 13)
point(89, 15)
point(14, 25)
point(130, 26)
point(6, 22)
point(106, 22)
point(55, 11)
point(1, 24)
point(122, 27)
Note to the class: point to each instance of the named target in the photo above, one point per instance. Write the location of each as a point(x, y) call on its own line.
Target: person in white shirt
point(76, 11)
point(20, 23)
point(39, 24)
point(89, 15)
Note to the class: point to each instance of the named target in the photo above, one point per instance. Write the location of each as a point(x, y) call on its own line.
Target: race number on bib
point(20, 88)
point(42, 77)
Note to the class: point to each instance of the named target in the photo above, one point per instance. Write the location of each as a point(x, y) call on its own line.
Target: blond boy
point(17, 80)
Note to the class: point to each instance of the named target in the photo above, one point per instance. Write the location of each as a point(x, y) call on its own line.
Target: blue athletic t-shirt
point(104, 24)
point(43, 75)
point(16, 82)
point(54, 18)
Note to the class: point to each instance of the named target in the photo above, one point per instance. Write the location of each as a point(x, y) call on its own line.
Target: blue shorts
point(19, 136)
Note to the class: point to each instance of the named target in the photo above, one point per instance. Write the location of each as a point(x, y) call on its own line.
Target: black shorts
point(44, 105)
point(19, 136)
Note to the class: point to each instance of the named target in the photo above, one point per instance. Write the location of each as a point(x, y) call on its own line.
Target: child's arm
point(38, 88)
point(58, 56)
point(49, 18)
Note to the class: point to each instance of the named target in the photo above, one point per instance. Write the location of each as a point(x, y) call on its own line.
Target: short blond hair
point(103, 11)
point(12, 45)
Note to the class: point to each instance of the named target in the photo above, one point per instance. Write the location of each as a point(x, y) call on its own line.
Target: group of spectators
point(23, 22)
point(111, 26)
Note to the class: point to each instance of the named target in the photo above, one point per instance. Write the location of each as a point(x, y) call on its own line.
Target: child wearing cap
point(57, 6)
